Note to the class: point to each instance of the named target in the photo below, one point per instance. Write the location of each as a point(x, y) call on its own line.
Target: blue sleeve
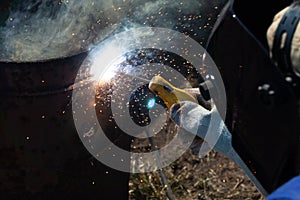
point(288, 191)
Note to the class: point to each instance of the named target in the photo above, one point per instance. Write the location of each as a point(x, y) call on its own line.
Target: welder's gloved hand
point(288, 191)
point(295, 46)
point(205, 124)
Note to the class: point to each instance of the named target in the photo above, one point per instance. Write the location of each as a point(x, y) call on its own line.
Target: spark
point(151, 103)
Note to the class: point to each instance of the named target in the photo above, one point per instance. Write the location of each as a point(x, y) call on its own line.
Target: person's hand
point(206, 125)
point(294, 53)
point(191, 117)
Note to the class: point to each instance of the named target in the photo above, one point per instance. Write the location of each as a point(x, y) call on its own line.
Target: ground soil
point(190, 177)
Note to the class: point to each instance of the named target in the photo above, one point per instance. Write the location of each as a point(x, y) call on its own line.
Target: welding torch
point(182, 102)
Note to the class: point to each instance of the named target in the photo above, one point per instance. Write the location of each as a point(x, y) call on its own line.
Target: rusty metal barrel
point(41, 154)
point(43, 44)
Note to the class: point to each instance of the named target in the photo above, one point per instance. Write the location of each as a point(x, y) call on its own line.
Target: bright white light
point(104, 60)
point(109, 74)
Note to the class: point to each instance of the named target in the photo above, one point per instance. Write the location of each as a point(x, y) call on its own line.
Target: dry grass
point(190, 177)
